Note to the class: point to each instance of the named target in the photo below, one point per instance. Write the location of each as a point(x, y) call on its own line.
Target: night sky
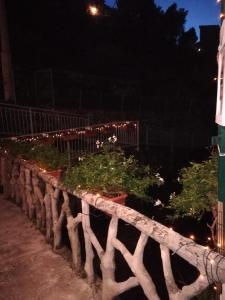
point(200, 12)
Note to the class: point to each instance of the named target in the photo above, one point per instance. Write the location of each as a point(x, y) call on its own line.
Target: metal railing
point(18, 120)
point(89, 139)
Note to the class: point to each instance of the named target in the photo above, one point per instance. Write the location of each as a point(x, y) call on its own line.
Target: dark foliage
point(135, 40)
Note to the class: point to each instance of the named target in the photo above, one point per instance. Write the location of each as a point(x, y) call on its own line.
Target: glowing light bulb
point(219, 245)
point(93, 10)
point(192, 237)
point(209, 238)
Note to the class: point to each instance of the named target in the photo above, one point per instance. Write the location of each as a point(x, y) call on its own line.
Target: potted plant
point(48, 158)
point(45, 155)
point(110, 174)
point(16, 147)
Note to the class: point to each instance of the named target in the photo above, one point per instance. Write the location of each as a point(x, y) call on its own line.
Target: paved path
point(29, 270)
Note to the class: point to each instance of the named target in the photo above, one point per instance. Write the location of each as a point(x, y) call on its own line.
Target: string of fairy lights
point(206, 260)
point(74, 133)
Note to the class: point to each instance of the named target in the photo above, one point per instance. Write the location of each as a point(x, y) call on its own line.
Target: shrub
point(199, 192)
point(110, 172)
point(47, 156)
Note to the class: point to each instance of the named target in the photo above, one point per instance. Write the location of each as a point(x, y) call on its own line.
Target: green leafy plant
point(16, 148)
point(47, 156)
point(199, 194)
point(110, 172)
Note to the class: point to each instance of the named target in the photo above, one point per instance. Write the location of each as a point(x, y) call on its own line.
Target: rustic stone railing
point(47, 202)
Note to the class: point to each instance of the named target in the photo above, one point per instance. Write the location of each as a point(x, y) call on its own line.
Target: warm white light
point(218, 245)
point(201, 277)
point(215, 288)
point(209, 238)
point(211, 261)
point(218, 1)
point(192, 237)
point(221, 16)
point(215, 78)
point(171, 228)
point(93, 10)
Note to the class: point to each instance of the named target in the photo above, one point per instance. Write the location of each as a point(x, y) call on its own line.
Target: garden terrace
point(56, 210)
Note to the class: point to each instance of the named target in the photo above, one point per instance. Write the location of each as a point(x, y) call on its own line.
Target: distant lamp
point(93, 10)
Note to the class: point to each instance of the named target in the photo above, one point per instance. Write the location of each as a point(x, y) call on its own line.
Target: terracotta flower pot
point(70, 137)
point(55, 173)
point(109, 131)
point(218, 288)
point(90, 133)
point(120, 199)
point(46, 141)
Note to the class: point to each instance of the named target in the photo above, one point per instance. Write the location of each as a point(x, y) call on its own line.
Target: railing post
point(68, 153)
point(5, 178)
point(222, 296)
point(138, 135)
point(2, 173)
point(31, 121)
point(88, 120)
